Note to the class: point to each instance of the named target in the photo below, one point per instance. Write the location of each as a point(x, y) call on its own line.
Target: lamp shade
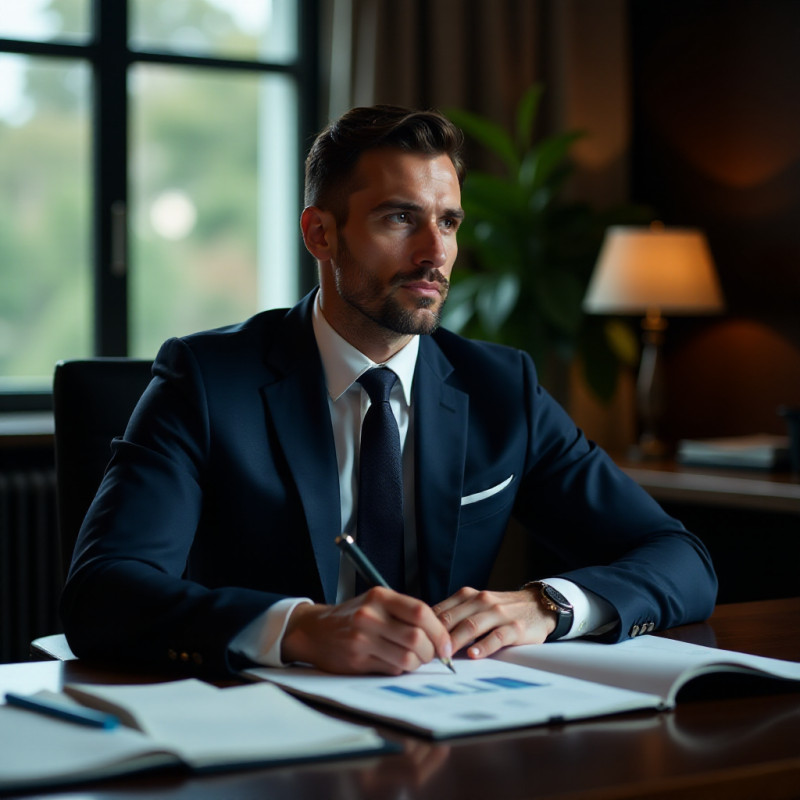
point(640, 269)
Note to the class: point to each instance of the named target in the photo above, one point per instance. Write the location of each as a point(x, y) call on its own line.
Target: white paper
point(651, 664)
point(483, 695)
point(206, 725)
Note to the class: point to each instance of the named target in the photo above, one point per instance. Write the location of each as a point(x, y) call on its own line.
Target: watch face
point(557, 598)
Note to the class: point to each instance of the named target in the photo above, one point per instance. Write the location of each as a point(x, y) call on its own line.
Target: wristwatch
point(553, 600)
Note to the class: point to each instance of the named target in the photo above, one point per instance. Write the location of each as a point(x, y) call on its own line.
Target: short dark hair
point(334, 155)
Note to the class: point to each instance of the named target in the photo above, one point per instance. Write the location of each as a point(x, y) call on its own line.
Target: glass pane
point(215, 198)
point(45, 20)
point(247, 29)
point(45, 229)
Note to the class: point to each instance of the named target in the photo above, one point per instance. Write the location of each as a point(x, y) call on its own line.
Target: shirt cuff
point(591, 614)
point(261, 640)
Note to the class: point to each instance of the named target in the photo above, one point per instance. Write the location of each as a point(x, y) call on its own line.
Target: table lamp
point(653, 271)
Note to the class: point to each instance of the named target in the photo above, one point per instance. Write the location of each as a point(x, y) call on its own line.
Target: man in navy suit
point(210, 544)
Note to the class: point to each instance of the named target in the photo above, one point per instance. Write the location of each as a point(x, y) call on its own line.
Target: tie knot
point(378, 383)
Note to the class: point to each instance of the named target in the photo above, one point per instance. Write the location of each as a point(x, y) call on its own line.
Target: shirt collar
point(343, 364)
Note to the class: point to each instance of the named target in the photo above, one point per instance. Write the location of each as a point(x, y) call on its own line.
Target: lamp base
point(650, 390)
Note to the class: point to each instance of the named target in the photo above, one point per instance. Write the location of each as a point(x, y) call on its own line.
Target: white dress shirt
point(348, 402)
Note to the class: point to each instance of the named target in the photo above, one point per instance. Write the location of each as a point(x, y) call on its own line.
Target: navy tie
point(380, 484)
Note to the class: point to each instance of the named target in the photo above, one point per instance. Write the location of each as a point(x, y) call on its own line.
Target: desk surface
point(669, 481)
point(734, 748)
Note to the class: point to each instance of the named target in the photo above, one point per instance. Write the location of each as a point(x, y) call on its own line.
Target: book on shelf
point(187, 724)
point(533, 684)
point(757, 451)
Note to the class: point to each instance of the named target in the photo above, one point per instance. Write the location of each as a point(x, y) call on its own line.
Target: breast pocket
point(486, 502)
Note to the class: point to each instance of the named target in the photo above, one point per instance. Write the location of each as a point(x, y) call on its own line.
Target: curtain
point(481, 55)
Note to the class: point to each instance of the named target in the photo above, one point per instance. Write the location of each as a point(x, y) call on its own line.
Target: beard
point(365, 292)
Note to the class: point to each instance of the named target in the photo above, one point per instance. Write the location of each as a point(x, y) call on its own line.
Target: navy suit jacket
point(222, 497)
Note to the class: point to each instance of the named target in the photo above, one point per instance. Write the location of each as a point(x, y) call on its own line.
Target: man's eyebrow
point(406, 205)
point(396, 205)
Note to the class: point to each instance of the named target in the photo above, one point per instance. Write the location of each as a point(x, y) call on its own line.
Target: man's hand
point(379, 631)
point(488, 621)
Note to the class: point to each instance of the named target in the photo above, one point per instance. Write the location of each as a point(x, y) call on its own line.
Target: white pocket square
point(478, 496)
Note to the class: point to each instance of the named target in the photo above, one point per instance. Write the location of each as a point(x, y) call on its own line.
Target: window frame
point(110, 58)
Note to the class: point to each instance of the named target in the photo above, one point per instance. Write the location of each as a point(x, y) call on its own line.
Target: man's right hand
point(379, 631)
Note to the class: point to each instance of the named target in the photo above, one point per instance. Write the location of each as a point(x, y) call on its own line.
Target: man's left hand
point(487, 621)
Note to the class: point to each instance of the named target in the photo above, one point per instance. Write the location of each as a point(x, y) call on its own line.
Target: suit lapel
point(440, 441)
point(297, 402)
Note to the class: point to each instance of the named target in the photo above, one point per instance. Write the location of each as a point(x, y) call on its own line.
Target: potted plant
point(529, 255)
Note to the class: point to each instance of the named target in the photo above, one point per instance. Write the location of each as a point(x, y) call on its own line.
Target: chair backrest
point(92, 402)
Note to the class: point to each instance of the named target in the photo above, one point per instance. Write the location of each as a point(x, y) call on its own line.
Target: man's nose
point(430, 246)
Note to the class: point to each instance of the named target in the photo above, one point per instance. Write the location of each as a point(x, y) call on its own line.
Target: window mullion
point(110, 177)
point(309, 123)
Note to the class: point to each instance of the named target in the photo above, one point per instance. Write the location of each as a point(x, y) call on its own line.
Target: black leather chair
point(92, 402)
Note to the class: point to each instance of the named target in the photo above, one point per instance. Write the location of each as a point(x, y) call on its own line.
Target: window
point(45, 218)
point(151, 159)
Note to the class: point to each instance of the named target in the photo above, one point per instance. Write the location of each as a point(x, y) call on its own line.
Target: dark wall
point(716, 144)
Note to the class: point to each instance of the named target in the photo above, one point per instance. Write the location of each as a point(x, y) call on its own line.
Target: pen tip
point(449, 664)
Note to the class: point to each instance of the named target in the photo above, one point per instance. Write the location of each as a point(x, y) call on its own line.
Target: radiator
point(30, 566)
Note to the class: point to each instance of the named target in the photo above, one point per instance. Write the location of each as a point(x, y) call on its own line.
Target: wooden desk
point(749, 521)
point(668, 481)
point(734, 748)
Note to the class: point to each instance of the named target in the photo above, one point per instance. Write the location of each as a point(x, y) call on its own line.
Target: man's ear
point(319, 232)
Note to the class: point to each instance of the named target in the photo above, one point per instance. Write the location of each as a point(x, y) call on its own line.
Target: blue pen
point(82, 716)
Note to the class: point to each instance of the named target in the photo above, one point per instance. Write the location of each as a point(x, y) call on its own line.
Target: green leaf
point(600, 365)
point(496, 301)
point(527, 111)
point(622, 341)
point(559, 295)
point(489, 195)
point(456, 316)
point(491, 135)
point(540, 163)
point(460, 306)
point(497, 250)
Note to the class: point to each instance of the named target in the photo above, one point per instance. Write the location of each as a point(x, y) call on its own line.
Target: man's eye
point(403, 217)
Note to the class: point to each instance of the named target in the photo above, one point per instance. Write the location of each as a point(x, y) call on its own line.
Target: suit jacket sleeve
point(158, 575)
point(619, 543)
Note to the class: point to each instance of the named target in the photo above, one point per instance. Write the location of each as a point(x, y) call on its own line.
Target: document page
point(184, 723)
point(207, 726)
point(38, 750)
point(482, 696)
point(651, 664)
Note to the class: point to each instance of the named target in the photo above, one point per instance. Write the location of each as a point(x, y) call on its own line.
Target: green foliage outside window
point(196, 136)
point(45, 283)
